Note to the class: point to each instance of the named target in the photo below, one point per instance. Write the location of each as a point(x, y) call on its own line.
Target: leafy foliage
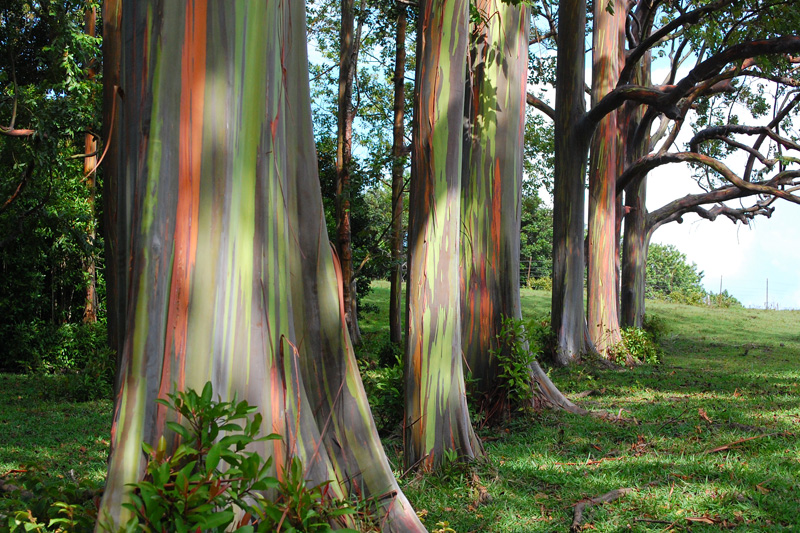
point(671, 277)
point(210, 474)
point(521, 342)
point(636, 347)
point(46, 213)
point(38, 502)
point(668, 272)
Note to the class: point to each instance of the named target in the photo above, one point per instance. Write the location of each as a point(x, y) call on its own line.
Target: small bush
point(521, 342)
point(384, 388)
point(74, 360)
point(540, 284)
point(656, 327)
point(209, 477)
point(636, 347)
point(32, 501)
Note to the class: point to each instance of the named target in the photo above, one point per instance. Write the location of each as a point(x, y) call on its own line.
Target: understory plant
point(636, 347)
point(211, 475)
point(520, 342)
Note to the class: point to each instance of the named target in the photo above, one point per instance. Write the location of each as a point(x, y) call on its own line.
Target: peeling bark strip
point(580, 507)
point(220, 220)
point(436, 415)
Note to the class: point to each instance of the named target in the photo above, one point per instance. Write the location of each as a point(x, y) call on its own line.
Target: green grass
point(726, 375)
point(60, 439)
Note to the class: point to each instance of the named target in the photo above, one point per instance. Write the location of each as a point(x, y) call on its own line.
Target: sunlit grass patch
point(711, 441)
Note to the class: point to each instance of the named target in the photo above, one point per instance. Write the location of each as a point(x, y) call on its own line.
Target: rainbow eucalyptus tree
point(436, 415)
point(607, 151)
point(572, 137)
point(232, 279)
point(491, 198)
point(350, 44)
point(727, 72)
point(726, 52)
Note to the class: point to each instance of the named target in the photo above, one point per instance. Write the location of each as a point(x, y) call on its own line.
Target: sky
point(743, 257)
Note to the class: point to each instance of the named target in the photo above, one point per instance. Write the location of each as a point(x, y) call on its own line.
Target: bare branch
point(12, 132)
point(637, 53)
point(639, 169)
point(20, 187)
point(722, 132)
point(541, 105)
point(652, 96)
point(539, 37)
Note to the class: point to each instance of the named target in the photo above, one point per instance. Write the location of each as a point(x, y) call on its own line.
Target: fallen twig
point(583, 504)
point(740, 441)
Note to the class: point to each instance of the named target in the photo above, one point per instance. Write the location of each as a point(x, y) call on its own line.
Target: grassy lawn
point(727, 375)
point(712, 439)
point(60, 438)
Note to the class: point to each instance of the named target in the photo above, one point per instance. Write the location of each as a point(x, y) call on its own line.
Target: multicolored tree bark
point(232, 279)
point(606, 160)
point(436, 417)
point(491, 200)
point(572, 135)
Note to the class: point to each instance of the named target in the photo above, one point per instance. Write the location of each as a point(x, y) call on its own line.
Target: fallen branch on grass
point(583, 504)
point(740, 441)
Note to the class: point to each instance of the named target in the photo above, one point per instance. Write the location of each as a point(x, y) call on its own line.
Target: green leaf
point(212, 458)
point(180, 430)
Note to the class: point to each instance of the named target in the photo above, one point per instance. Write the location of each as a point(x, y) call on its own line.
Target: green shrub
point(540, 284)
point(81, 363)
point(655, 326)
point(636, 347)
point(687, 296)
point(209, 477)
point(520, 341)
point(32, 501)
point(74, 360)
point(723, 299)
point(384, 388)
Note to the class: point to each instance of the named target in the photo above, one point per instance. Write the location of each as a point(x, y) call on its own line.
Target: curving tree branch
point(541, 105)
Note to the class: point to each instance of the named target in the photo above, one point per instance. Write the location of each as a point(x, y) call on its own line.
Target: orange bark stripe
point(497, 211)
point(193, 73)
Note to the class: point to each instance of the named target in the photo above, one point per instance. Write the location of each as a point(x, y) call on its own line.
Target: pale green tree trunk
point(491, 200)
point(232, 279)
point(436, 417)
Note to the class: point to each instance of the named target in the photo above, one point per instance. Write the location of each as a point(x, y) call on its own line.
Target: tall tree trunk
point(350, 41)
point(571, 148)
point(89, 164)
point(491, 188)
point(634, 256)
point(115, 193)
point(232, 277)
point(398, 168)
point(436, 415)
point(491, 200)
point(637, 233)
point(606, 160)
